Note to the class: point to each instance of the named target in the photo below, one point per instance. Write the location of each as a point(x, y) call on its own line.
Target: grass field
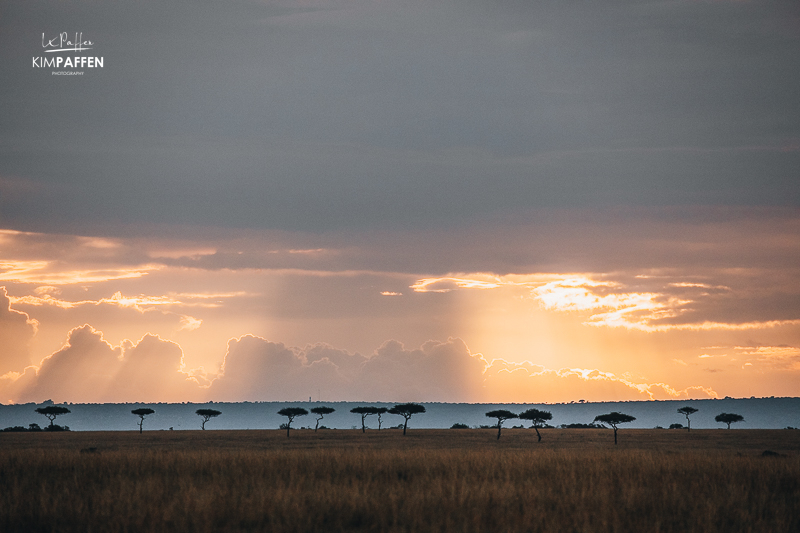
point(430, 480)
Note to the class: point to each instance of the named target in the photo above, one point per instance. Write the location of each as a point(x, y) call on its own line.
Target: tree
point(501, 415)
point(321, 411)
point(141, 413)
point(729, 418)
point(52, 411)
point(379, 411)
point(207, 414)
point(686, 411)
point(407, 410)
point(291, 413)
point(364, 411)
point(537, 419)
point(613, 419)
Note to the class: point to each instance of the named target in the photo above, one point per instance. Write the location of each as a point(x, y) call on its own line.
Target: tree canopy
point(206, 415)
point(291, 413)
point(537, 418)
point(728, 418)
point(321, 411)
point(501, 415)
point(407, 410)
point(686, 411)
point(364, 411)
point(52, 411)
point(141, 413)
point(613, 419)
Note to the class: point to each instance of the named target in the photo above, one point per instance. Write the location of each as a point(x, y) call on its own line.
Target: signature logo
point(63, 43)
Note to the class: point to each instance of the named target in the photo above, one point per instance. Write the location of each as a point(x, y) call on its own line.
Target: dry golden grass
point(430, 480)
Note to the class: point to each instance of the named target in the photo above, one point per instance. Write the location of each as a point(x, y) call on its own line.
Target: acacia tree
point(364, 411)
point(291, 413)
point(206, 415)
point(52, 411)
point(407, 410)
point(379, 411)
point(686, 411)
point(321, 411)
point(141, 413)
point(728, 418)
point(613, 419)
point(537, 419)
point(501, 415)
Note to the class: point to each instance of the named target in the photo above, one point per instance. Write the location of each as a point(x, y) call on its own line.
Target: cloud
point(641, 302)
point(16, 331)
point(259, 370)
point(89, 369)
point(527, 382)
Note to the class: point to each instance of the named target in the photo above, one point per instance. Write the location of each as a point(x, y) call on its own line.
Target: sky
point(400, 200)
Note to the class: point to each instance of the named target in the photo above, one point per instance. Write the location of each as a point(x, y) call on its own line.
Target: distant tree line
point(537, 418)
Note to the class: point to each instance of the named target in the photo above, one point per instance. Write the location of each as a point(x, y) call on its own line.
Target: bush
point(15, 428)
point(583, 426)
point(676, 426)
point(56, 427)
point(458, 425)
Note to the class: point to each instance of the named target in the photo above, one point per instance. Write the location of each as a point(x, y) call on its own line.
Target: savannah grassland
point(575, 480)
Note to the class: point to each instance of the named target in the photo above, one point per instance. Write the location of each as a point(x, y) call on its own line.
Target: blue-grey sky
point(356, 114)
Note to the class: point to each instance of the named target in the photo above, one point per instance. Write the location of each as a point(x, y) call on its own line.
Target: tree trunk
point(288, 425)
point(140, 425)
point(317, 426)
point(615, 436)
point(405, 425)
point(363, 424)
point(499, 427)
point(537, 433)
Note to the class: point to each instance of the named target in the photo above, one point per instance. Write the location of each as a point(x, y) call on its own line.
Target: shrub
point(459, 425)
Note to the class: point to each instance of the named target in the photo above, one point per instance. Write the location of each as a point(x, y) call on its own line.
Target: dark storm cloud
point(357, 114)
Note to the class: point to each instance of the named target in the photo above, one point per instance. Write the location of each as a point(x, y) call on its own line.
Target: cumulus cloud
point(16, 331)
point(89, 369)
point(527, 382)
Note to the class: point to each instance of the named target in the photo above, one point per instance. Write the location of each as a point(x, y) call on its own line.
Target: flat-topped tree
point(364, 411)
point(537, 418)
point(728, 418)
point(321, 412)
point(407, 410)
point(141, 413)
point(501, 415)
point(613, 419)
point(206, 415)
point(686, 411)
point(380, 411)
point(291, 413)
point(52, 411)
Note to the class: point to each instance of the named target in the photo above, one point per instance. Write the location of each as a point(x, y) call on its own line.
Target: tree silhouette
point(501, 415)
point(613, 419)
point(379, 411)
point(686, 411)
point(207, 414)
point(52, 411)
point(537, 419)
point(141, 413)
point(321, 411)
point(291, 413)
point(364, 411)
point(728, 418)
point(407, 410)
